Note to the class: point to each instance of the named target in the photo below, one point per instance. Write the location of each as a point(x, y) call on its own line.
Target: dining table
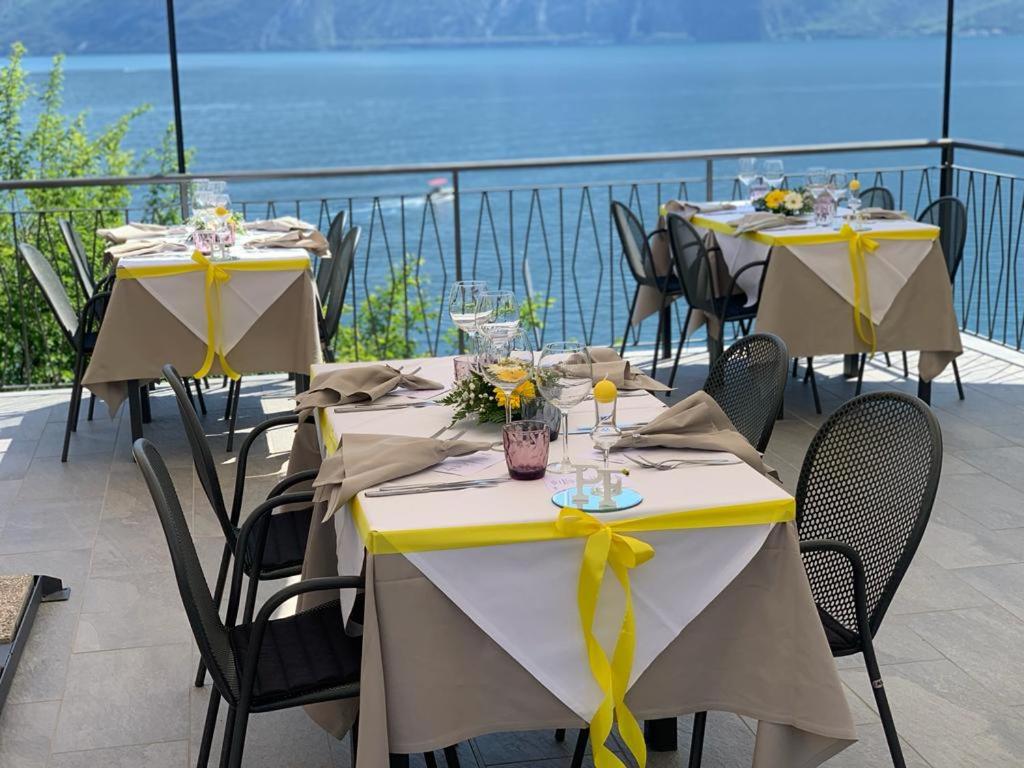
point(851, 288)
point(250, 309)
point(487, 608)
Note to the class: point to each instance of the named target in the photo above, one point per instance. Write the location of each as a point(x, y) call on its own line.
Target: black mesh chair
point(636, 247)
point(341, 273)
point(877, 197)
point(79, 257)
point(80, 328)
point(748, 381)
point(286, 534)
point(324, 267)
point(950, 215)
point(863, 500)
point(697, 277)
point(264, 664)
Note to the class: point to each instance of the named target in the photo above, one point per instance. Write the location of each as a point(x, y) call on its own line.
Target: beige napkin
point(696, 422)
point(280, 224)
point(687, 209)
point(882, 213)
point(606, 364)
point(753, 222)
point(134, 231)
point(364, 383)
point(311, 240)
point(143, 248)
point(363, 461)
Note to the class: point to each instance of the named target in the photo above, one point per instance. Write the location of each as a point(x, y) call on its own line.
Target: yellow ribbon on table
point(217, 273)
point(607, 548)
point(859, 244)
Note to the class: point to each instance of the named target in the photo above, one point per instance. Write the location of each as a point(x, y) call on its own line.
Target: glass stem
point(565, 439)
point(508, 407)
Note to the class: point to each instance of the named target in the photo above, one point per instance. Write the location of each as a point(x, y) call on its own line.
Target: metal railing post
point(946, 168)
point(457, 219)
point(709, 179)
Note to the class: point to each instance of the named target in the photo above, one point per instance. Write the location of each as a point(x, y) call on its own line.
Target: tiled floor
point(106, 678)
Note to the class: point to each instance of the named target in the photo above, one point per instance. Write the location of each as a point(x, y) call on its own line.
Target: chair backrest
point(868, 481)
point(210, 633)
point(950, 214)
point(53, 290)
point(634, 244)
point(79, 257)
point(693, 267)
point(877, 197)
point(202, 456)
point(340, 274)
point(748, 380)
point(335, 234)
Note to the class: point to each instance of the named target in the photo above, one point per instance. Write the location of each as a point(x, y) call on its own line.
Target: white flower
point(794, 201)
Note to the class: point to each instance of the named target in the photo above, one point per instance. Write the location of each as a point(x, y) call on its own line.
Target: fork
point(667, 464)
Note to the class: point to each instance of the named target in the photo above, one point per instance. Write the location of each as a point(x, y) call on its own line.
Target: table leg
point(301, 383)
point(666, 324)
point(924, 391)
point(851, 364)
point(661, 735)
point(147, 415)
point(398, 761)
point(135, 409)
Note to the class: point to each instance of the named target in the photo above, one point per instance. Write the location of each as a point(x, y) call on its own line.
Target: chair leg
point(560, 735)
point(882, 701)
point(218, 595)
point(430, 760)
point(700, 720)
point(451, 756)
point(581, 748)
point(208, 728)
point(188, 391)
point(199, 396)
point(860, 374)
point(234, 415)
point(353, 743)
point(679, 348)
point(814, 385)
point(657, 342)
point(231, 393)
point(959, 385)
point(92, 405)
point(238, 737)
point(796, 361)
point(229, 729)
point(629, 321)
point(906, 368)
point(76, 396)
point(888, 362)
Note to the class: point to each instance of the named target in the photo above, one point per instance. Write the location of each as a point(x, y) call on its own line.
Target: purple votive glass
point(526, 449)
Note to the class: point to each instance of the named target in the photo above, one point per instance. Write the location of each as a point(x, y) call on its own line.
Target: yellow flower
point(854, 184)
point(221, 211)
point(524, 391)
point(774, 198)
point(508, 371)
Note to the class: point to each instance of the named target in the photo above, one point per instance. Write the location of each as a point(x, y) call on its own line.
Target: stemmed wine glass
point(747, 172)
point(564, 378)
point(837, 184)
point(464, 304)
point(506, 362)
point(854, 203)
point(817, 180)
point(498, 314)
point(774, 172)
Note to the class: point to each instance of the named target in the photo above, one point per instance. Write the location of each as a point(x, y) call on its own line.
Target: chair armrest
point(859, 578)
point(305, 475)
point(257, 524)
point(243, 458)
point(92, 310)
point(732, 281)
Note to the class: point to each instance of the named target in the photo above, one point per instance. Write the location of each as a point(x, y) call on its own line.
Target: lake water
point(303, 110)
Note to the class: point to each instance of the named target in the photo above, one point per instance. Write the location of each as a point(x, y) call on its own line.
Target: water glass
point(498, 314)
point(463, 366)
point(526, 449)
point(774, 172)
point(747, 171)
point(464, 304)
point(564, 378)
point(759, 188)
point(817, 180)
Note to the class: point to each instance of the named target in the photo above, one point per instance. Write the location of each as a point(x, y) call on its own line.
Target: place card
point(474, 463)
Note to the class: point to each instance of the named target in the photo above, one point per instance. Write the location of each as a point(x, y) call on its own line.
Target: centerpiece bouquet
point(788, 202)
point(475, 396)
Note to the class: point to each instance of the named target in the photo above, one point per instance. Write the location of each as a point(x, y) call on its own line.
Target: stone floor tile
point(929, 587)
point(165, 754)
point(53, 524)
point(983, 498)
point(129, 610)
point(25, 731)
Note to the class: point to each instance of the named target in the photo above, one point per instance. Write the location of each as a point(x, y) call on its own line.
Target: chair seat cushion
point(735, 307)
point(841, 641)
point(299, 655)
point(89, 342)
point(286, 541)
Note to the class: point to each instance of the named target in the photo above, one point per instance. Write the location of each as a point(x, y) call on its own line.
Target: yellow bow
point(859, 243)
point(216, 275)
point(606, 548)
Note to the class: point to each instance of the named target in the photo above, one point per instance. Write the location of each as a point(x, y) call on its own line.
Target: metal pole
point(172, 48)
point(946, 174)
point(457, 210)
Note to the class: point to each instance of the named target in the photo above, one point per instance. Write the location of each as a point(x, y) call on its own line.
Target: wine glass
point(498, 314)
point(464, 304)
point(506, 362)
point(854, 203)
point(817, 180)
point(747, 171)
point(774, 172)
point(838, 182)
point(564, 377)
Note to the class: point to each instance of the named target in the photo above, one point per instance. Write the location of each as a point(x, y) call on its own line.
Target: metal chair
point(877, 197)
point(80, 328)
point(324, 267)
point(287, 531)
point(950, 215)
point(748, 381)
point(863, 500)
point(636, 247)
point(696, 273)
point(334, 302)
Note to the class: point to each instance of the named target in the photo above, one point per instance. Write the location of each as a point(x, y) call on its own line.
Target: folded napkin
point(134, 231)
point(688, 209)
point(363, 383)
point(143, 248)
point(311, 240)
point(696, 422)
point(606, 364)
point(753, 222)
point(280, 224)
point(882, 213)
point(363, 461)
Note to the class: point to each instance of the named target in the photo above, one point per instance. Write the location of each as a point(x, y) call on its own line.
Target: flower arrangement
point(788, 202)
point(474, 396)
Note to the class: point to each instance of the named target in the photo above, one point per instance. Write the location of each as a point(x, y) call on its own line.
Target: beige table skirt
point(815, 320)
point(139, 336)
point(432, 678)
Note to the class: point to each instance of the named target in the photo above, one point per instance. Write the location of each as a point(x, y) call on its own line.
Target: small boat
point(439, 190)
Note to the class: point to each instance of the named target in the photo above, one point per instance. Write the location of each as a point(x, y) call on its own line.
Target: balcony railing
point(551, 241)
